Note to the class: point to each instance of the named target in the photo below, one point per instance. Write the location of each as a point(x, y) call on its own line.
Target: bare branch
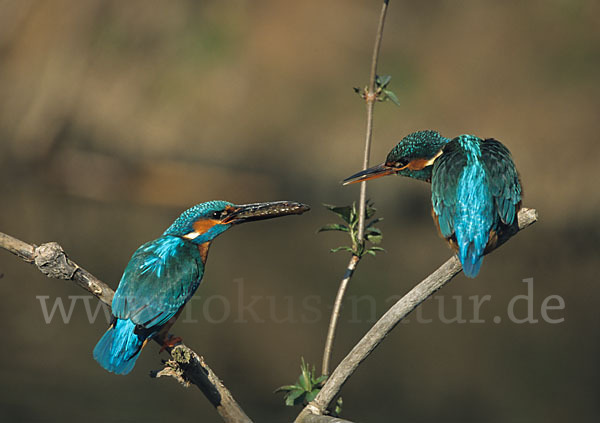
point(390, 319)
point(317, 418)
point(186, 365)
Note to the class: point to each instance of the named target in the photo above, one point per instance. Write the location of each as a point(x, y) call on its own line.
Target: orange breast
point(203, 248)
point(452, 240)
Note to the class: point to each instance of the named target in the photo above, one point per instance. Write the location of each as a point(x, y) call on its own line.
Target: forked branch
point(390, 319)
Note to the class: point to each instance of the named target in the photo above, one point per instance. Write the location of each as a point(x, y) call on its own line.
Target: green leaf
point(320, 379)
point(350, 215)
point(291, 398)
point(338, 406)
point(373, 231)
point(285, 388)
point(375, 239)
point(383, 80)
point(304, 380)
point(372, 222)
point(369, 210)
point(373, 250)
point(334, 227)
point(345, 212)
point(342, 248)
point(390, 94)
point(312, 394)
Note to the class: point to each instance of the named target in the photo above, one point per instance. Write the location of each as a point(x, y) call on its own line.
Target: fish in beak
point(261, 211)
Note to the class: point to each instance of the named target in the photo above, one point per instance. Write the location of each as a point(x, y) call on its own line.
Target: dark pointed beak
point(370, 173)
point(262, 211)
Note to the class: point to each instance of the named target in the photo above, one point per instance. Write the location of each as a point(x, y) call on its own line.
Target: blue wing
point(160, 278)
point(444, 183)
point(503, 179)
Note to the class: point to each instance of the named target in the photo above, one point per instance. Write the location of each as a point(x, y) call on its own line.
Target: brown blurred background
point(116, 116)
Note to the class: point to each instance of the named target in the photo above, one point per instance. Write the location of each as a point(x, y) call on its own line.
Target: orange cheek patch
point(418, 164)
point(203, 225)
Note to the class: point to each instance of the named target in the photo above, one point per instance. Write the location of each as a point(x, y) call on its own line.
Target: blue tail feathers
point(119, 348)
point(471, 259)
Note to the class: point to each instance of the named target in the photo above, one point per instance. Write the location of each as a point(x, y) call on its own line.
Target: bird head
point(205, 221)
point(413, 156)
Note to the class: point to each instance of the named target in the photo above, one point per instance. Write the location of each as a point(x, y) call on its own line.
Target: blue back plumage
point(475, 189)
point(119, 348)
point(160, 278)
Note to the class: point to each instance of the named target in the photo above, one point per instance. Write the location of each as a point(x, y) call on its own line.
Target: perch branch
point(391, 318)
point(319, 418)
point(185, 364)
point(370, 98)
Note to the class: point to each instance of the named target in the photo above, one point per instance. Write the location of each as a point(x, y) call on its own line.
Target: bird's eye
point(401, 162)
point(217, 215)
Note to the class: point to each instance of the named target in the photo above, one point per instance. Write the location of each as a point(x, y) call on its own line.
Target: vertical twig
point(335, 314)
point(370, 98)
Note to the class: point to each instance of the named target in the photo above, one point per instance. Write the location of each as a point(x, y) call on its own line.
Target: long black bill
point(370, 173)
point(261, 211)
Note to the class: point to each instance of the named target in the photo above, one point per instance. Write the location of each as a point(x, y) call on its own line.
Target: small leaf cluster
point(349, 215)
point(305, 389)
point(382, 92)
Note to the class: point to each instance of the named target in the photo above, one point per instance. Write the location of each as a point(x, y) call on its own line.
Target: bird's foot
point(170, 341)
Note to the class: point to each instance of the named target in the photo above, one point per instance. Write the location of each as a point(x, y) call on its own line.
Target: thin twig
point(51, 260)
point(335, 314)
point(390, 319)
point(370, 98)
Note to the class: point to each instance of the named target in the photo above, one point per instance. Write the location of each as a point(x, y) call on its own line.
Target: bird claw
point(170, 341)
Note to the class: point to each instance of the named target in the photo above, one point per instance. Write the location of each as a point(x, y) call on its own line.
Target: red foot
point(170, 341)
